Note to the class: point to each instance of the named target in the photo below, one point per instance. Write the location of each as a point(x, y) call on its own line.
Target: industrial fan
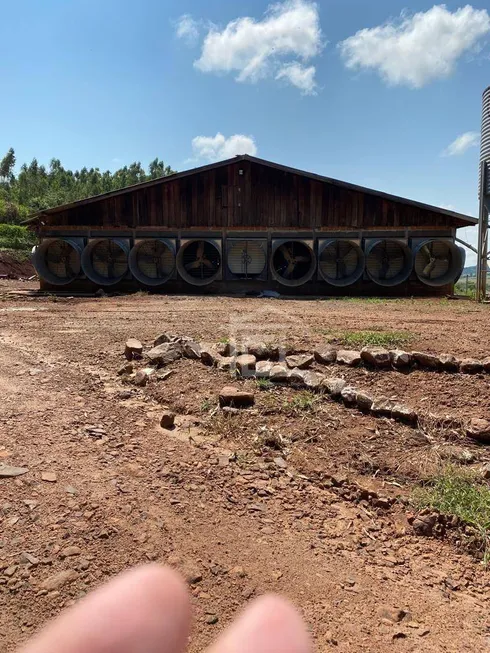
point(152, 261)
point(293, 262)
point(108, 260)
point(438, 262)
point(388, 262)
point(246, 259)
point(62, 260)
point(199, 261)
point(341, 262)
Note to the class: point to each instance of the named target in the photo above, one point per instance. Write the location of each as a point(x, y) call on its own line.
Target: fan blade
point(192, 266)
point(425, 249)
point(207, 263)
point(286, 253)
point(200, 249)
point(302, 259)
point(340, 269)
point(289, 270)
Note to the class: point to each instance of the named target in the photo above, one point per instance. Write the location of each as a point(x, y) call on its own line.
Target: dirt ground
point(316, 520)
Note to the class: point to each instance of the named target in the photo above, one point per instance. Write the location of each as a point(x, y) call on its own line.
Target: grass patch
point(224, 341)
point(372, 338)
point(461, 493)
point(206, 405)
point(301, 402)
point(264, 384)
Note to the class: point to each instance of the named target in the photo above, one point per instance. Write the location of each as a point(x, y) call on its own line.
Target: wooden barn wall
point(262, 197)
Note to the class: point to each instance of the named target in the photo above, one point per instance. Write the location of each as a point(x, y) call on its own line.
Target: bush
point(12, 213)
point(14, 236)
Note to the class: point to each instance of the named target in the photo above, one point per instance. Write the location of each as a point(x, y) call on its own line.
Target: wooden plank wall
point(259, 197)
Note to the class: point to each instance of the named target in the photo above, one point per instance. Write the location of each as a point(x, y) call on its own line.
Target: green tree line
point(34, 187)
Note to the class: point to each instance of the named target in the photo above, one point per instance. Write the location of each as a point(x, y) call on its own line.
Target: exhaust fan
point(438, 262)
point(293, 262)
point(105, 260)
point(57, 260)
point(247, 259)
point(199, 261)
point(389, 262)
point(152, 261)
point(340, 262)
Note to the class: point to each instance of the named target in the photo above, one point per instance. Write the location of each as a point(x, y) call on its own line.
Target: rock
point(127, 368)
point(279, 373)
point(296, 376)
point(163, 376)
point(258, 349)
point(165, 353)
point(479, 430)
point(470, 366)
point(231, 396)
point(429, 361)
point(167, 419)
point(245, 364)
point(400, 359)
point(325, 355)
point(165, 337)
point(313, 380)
point(211, 619)
point(238, 571)
point(301, 361)
point(348, 357)
point(486, 364)
point(225, 363)
point(57, 581)
point(383, 407)
point(392, 615)
point(49, 477)
point(485, 471)
point(449, 363)
point(28, 559)
point(192, 350)
point(404, 414)
point(334, 386)
point(376, 356)
point(424, 525)
point(141, 378)
point(280, 462)
point(7, 471)
point(263, 368)
point(100, 293)
point(70, 551)
point(349, 395)
point(364, 401)
point(133, 349)
point(10, 571)
point(192, 576)
point(208, 356)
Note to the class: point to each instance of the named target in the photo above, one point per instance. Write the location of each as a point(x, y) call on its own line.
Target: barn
point(246, 225)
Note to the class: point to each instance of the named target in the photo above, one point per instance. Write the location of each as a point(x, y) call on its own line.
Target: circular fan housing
point(105, 260)
point(388, 262)
point(247, 259)
point(199, 262)
point(438, 262)
point(341, 262)
point(152, 261)
point(293, 262)
point(57, 260)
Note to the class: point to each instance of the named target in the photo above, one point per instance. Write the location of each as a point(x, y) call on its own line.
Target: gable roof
point(469, 220)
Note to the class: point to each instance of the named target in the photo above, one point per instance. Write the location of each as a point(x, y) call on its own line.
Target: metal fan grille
point(247, 258)
point(386, 260)
point(109, 260)
point(155, 260)
point(62, 260)
point(433, 260)
point(201, 259)
point(339, 260)
point(292, 261)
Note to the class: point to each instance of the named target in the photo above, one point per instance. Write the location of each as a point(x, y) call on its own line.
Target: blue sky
point(106, 82)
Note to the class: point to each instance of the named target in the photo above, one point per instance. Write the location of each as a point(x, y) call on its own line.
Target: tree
point(7, 166)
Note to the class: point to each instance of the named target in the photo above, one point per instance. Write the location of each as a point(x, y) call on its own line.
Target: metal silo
point(484, 188)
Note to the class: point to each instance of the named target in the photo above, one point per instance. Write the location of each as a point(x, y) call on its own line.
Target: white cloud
point(462, 143)
point(254, 49)
point(417, 49)
point(217, 148)
point(187, 29)
point(300, 76)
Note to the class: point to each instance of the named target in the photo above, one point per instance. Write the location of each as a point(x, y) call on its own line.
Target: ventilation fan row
point(339, 262)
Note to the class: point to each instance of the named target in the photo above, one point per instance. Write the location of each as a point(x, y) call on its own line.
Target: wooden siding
point(261, 197)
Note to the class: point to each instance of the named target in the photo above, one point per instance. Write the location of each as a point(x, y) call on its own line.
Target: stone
point(232, 396)
point(486, 364)
point(301, 361)
point(404, 414)
point(7, 471)
point(280, 462)
point(258, 349)
point(167, 419)
point(165, 353)
point(392, 615)
point(383, 407)
point(449, 363)
point(70, 551)
point(141, 378)
point(164, 337)
point(349, 395)
point(424, 524)
point(479, 430)
point(225, 363)
point(279, 373)
point(400, 359)
point(470, 366)
point(364, 401)
point(49, 477)
point(59, 580)
point(211, 619)
point(325, 355)
point(376, 356)
point(428, 361)
point(192, 350)
point(26, 558)
point(208, 356)
point(297, 376)
point(133, 349)
point(485, 471)
point(348, 357)
point(313, 380)
point(263, 368)
point(125, 369)
point(245, 364)
point(334, 386)
point(10, 571)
